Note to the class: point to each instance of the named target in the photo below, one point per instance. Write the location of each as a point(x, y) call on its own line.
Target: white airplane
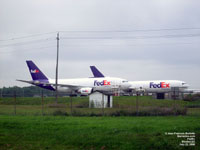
point(83, 86)
point(154, 86)
point(158, 86)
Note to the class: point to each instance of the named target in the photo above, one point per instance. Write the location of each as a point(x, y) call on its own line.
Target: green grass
point(74, 133)
point(38, 100)
point(123, 105)
point(28, 130)
point(149, 101)
point(193, 111)
point(123, 101)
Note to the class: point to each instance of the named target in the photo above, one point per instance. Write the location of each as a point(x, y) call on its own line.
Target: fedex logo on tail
point(160, 85)
point(35, 71)
point(104, 82)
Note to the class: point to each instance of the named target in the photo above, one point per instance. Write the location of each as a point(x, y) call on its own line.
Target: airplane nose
point(128, 85)
point(186, 85)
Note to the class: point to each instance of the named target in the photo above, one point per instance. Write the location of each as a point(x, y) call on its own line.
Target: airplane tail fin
point(96, 72)
point(35, 71)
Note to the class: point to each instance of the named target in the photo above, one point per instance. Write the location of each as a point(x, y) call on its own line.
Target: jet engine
point(138, 91)
point(85, 91)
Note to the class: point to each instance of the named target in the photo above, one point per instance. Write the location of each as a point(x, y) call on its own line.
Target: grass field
point(123, 101)
point(58, 130)
point(123, 106)
point(92, 133)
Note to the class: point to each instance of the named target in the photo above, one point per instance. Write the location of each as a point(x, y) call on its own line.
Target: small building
point(100, 100)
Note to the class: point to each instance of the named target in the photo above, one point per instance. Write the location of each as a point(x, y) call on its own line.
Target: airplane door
point(115, 87)
point(115, 84)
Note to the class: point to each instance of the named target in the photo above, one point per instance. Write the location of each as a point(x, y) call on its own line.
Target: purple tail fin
point(96, 72)
point(35, 71)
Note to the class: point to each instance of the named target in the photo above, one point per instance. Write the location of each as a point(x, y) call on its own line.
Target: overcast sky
point(131, 39)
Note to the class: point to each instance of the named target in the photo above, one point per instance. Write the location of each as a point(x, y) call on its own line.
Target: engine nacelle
point(85, 91)
point(140, 90)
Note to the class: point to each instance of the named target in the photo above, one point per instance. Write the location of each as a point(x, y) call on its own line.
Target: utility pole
point(1, 93)
point(15, 102)
point(42, 95)
point(57, 67)
point(137, 106)
point(102, 104)
point(71, 105)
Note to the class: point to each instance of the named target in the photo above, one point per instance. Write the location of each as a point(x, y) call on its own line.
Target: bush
point(191, 97)
point(151, 111)
point(57, 105)
point(77, 113)
point(82, 105)
point(60, 113)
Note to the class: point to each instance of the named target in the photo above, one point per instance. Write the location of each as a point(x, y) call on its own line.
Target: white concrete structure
point(99, 100)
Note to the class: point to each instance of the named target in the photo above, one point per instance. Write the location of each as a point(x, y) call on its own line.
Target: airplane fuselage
point(105, 84)
point(158, 86)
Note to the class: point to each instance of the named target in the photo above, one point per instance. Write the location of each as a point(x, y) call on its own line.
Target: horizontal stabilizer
point(41, 84)
point(30, 82)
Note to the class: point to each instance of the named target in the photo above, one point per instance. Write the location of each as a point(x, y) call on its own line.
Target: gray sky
point(142, 39)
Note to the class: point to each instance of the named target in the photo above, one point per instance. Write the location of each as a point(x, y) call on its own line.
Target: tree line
point(29, 91)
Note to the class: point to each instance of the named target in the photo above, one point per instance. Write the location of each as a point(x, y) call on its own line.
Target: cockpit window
point(183, 83)
point(124, 81)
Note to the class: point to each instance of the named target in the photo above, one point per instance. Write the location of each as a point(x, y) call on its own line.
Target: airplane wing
point(65, 85)
point(51, 84)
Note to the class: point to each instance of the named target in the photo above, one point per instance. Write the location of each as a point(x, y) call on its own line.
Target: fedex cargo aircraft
point(83, 86)
point(154, 86)
point(158, 86)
